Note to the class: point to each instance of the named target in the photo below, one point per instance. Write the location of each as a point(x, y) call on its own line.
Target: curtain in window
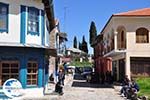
point(142, 35)
point(33, 20)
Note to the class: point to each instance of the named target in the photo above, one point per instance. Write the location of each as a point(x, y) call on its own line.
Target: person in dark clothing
point(58, 88)
point(102, 78)
point(60, 83)
point(125, 85)
point(135, 86)
point(126, 80)
point(131, 92)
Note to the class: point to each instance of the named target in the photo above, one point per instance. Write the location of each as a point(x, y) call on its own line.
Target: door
point(121, 69)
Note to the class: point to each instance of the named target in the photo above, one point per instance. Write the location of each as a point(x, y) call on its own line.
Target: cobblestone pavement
point(81, 90)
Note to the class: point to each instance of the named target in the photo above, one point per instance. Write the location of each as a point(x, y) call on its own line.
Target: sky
point(75, 16)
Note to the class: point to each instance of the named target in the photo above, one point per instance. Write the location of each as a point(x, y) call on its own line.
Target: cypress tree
point(84, 45)
point(93, 33)
point(75, 42)
point(80, 46)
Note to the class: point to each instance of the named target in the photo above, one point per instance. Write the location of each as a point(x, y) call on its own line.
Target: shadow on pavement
point(86, 84)
point(78, 77)
point(80, 81)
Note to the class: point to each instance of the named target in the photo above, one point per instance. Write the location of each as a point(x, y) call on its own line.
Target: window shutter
point(43, 27)
point(23, 24)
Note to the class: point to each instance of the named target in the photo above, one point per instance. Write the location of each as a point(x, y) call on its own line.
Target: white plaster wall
point(47, 37)
point(33, 39)
point(131, 25)
point(47, 34)
point(108, 29)
point(13, 35)
point(134, 49)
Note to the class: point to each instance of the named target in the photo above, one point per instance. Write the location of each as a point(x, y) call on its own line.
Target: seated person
point(134, 86)
point(132, 90)
point(125, 85)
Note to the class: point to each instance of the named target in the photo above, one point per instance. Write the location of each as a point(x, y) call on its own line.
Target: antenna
point(65, 13)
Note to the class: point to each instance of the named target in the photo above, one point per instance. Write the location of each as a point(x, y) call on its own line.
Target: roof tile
point(138, 12)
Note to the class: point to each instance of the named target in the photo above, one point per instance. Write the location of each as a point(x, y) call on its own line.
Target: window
point(33, 21)
point(140, 67)
point(122, 36)
point(8, 69)
point(3, 17)
point(32, 73)
point(142, 35)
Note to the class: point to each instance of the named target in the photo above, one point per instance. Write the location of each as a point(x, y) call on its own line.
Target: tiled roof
point(133, 13)
point(138, 12)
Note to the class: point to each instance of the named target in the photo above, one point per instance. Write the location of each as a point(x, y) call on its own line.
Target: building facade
point(126, 39)
point(102, 64)
point(24, 38)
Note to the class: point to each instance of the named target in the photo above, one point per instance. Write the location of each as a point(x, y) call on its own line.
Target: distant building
point(126, 39)
point(77, 54)
point(61, 46)
point(25, 27)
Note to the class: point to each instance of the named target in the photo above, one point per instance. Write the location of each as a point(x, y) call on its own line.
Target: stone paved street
point(81, 90)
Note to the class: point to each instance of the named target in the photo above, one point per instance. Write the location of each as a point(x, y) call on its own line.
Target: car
point(86, 71)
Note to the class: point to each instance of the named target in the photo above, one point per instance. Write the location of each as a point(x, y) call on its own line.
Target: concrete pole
point(115, 39)
point(127, 66)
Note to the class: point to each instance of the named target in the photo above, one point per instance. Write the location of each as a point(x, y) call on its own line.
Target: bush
point(144, 84)
point(80, 64)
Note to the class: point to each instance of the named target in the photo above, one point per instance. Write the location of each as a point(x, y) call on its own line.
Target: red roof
point(138, 12)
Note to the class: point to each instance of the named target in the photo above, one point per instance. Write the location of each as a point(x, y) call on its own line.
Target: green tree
point(80, 46)
point(93, 33)
point(75, 42)
point(84, 45)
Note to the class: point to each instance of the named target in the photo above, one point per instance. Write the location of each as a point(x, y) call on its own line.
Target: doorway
point(121, 69)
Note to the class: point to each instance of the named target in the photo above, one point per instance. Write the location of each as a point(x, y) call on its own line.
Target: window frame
point(38, 21)
point(143, 34)
point(7, 13)
point(31, 74)
point(9, 73)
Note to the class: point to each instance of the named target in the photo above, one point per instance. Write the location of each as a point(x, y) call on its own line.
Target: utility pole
point(65, 15)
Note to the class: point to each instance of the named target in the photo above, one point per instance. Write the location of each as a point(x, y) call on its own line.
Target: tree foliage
point(93, 33)
point(75, 42)
point(84, 45)
point(81, 64)
point(80, 46)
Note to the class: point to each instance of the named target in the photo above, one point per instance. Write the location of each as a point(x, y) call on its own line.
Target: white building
point(126, 38)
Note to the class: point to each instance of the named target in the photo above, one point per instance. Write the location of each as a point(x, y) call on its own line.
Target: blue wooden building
point(25, 27)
